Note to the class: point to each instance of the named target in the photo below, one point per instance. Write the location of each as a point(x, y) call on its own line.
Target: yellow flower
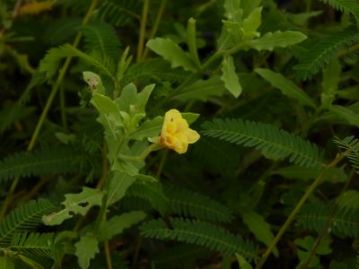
point(176, 133)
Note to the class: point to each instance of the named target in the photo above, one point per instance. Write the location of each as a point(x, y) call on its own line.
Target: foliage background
point(272, 183)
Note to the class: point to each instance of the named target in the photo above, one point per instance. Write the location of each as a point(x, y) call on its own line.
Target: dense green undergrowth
point(99, 169)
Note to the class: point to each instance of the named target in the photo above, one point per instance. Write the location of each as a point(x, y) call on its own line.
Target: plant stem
point(162, 164)
point(328, 224)
point(344, 52)
point(156, 24)
point(59, 80)
point(63, 108)
point(297, 208)
point(108, 255)
point(46, 109)
point(141, 41)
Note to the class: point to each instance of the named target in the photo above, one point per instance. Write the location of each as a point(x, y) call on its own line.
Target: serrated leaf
point(86, 249)
point(230, 77)
point(233, 9)
point(259, 227)
point(170, 51)
point(277, 39)
point(251, 23)
point(117, 224)
point(286, 86)
point(79, 203)
point(94, 81)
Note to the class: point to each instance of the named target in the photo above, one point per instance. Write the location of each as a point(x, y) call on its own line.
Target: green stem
point(156, 24)
point(326, 228)
point(108, 255)
point(59, 80)
point(297, 208)
point(48, 104)
point(162, 164)
point(344, 52)
point(141, 41)
point(63, 108)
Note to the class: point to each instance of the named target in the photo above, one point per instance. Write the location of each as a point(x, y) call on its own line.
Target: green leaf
point(321, 50)
point(51, 61)
point(86, 250)
point(277, 39)
point(350, 6)
point(201, 90)
point(118, 185)
point(190, 117)
point(104, 104)
point(259, 227)
point(149, 128)
point(143, 96)
point(133, 102)
point(243, 264)
point(199, 233)
point(191, 40)
point(233, 9)
point(6, 263)
point(347, 114)
point(94, 81)
point(286, 86)
point(274, 143)
point(331, 78)
point(117, 224)
point(79, 203)
point(230, 77)
point(331, 174)
point(170, 51)
point(42, 162)
point(252, 23)
point(30, 262)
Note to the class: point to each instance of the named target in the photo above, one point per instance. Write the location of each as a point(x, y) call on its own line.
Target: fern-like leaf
point(351, 145)
point(199, 233)
point(156, 69)
point(51, 61)
point(151, 192)
point(190, 204)
point(274, 143)
point(349, 200)
point(42, 162)
point(119, 12)
point(101, 38)
point(24, 218)
point(320, 51)
point(349, 6)
point(345, 223)
point(35, 244)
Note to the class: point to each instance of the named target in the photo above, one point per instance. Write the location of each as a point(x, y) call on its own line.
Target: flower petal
point(192, 136)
